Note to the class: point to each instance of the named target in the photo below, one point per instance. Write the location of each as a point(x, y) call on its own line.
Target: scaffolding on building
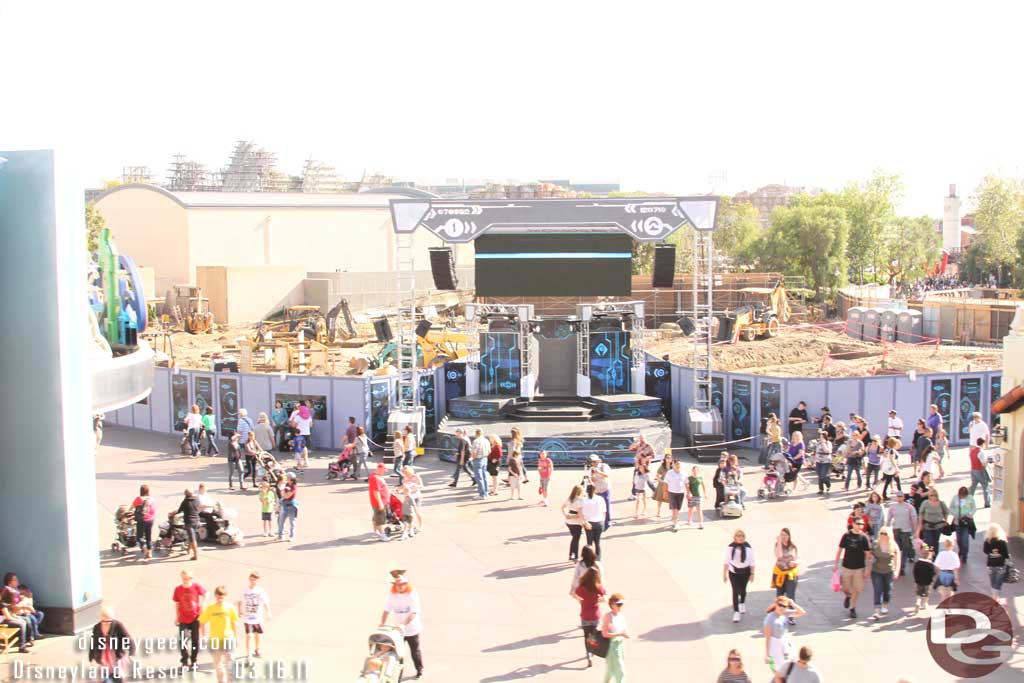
point(319, 177)
point(186, 175)
point(135, 174)
point(253, 169)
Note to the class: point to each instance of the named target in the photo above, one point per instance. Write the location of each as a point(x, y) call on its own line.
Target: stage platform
point(569, 428)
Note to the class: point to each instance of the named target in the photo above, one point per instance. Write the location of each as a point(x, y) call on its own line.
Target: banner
point(740, 407)
point(970, 402)
point(179, 401)
point(227, 388)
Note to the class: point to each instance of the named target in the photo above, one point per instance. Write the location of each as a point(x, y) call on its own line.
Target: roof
point(265, 200)
point(1009, 402)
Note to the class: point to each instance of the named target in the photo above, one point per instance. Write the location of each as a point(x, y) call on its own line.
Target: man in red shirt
point(379, 497)
point(188, 600)
point(979, 474)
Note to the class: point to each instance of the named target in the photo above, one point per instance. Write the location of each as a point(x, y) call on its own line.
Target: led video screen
point(554, 264)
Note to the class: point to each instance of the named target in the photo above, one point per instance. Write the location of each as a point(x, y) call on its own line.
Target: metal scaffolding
point(703, 276)
point(405, 287)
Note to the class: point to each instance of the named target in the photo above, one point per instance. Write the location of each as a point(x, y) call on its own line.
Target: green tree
point(999, 221)
point(913, 244)
point(738, 232)
point(809, 238)
point(870, 208)
point(94, 224)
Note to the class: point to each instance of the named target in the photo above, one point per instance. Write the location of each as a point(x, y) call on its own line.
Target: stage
point(569, 428)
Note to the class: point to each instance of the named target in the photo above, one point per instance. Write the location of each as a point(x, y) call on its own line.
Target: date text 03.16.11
point(271, 670)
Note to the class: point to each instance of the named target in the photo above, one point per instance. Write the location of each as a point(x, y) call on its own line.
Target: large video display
point(554, 264)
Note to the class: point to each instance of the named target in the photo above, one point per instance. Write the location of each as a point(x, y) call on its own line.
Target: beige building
point(1008, 472)
point(176, 232)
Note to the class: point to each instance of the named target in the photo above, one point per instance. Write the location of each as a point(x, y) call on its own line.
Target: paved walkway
point(494, 579)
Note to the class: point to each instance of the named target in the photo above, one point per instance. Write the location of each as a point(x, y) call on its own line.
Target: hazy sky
point(661, 96)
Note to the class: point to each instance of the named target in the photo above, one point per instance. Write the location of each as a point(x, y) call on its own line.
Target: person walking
point(210, 430)
point(934, 419)
point(885, 568)
point(661, 487)
point(362, 453)
point(404, 608)
point(875, 512)
point(675, 481)
point(349, 437)
point(733, 672)
point(902, 519)
point(463, 456)
point(235, 457)
point(979, 470)
point(516, 446)
point(572, 511)
point(644, 456)
point(219, 620)
point(516, 471)
point(545, 468)
point(800, 671)
point(778, 649)
point(786, 572)
point(738, 571)
point(773, 435)
point(641, 480)
point(379, 499)
point(251, 452)
point(254, 608)
point(997, 554)
point(874, 454)
point(494, 458)
point(854, 459)
point(947, 562)
point(588, 560)
point(145, 512)
point(797, 419)
point(922, 439)
point(398, 454)
point(589, 593)
point(694, 491)
point(481, 448)
point(189, 599)
point(301, 420)
point(289, 509)
point(189, 509)
point(890, 466)
point(924, 575)
point(193, 429)
point(410, 450)
point(932, 518)
point(594, 510)
point(244, 426)
point(279, 421)
point(894, 428)
point(414, 489)
point(795, 455)
point(111, 646)
point(962, 507)
point(601, 476)
point(979, 430)
point(264, 433)
point(941, 449)
point(268, 499)
point(855, 553)
point(616, 630)
point(823, 463)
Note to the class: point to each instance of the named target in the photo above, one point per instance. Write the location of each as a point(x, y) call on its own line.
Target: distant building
point(766, 198)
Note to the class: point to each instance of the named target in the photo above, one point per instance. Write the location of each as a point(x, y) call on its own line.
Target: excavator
point(433, 349)
point(759, 316)
point(323, 329)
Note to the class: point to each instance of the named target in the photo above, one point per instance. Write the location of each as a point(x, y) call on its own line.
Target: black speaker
point(383, 329)
point(422, 327)
point(664, 265)
point(442, 265)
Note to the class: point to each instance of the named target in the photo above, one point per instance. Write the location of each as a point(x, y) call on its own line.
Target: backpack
point(141, 510)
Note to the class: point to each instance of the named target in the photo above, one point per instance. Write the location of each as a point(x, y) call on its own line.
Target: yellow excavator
point(760, 315)
point(434, 348)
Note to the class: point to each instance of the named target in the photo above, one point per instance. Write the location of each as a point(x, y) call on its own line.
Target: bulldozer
point(760, 315)
point(322, 329)
point(434, 348)
point(190, 308)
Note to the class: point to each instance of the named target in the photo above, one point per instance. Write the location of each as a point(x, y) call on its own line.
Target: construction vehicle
point(308, 319)
point(191, 309)
point(433, 349)
point(760, 315)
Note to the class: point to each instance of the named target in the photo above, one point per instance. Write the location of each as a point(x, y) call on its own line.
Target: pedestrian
point(885, 568)
point(379, 499)
point(773, 435)
point(545, 467)
point(786, 572)
point(930, 462)
point(572, 511)
point(413, 484)
point(902, 519)
point(145, 512)
point(398, 454)
point(718, 479)
point(675, 480)
point(601, 477)
point(594, 510)
point(362, 453)
point(516, 446)
point(189, 599)
point(919, 492)
point(874, 455)
point(403, 606)
point(494, 458)
point(235, 462)
point(797, 419)
point(778, 649)
point(823, 463)
point(111, 647)
point(858, 513)
point(997, 554)
point(800, 671)
point(875, 512)
point(463, 456)
point(254, 607)
point(738, 571)
point(890, 467)
point(922, 439)
point(481, 449)
point(301, 420)
point(934, 419)
point(193, 429)
point(588, 560)
point(210, 429)
point(795, 456)
point(189, 509)
point(661, 488)
point(410, 448)
point(932, 518)
point(694, 492)
point(979, 470)
point(924, 575)
point(589, 593)
point(855, 553)
point(616, 630)
point(894, 428)
point(279, 421)
point(351, 431)
point(311, 411)
point(947, 562)
point(734, 472)
point(264, 433)
point(941, 449)
point(251, 452)
point(641, 479)
point(244, 426)
point(267, 501)
point(962, 507)
point(515, 473)
point(854, 459)
point(644, 456)
point(289, 509)
point(219, 620)
point(979, 430)
point(733, 672)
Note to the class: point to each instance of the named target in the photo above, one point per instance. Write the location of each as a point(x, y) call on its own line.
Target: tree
point(738, 232)
point(94, 224)
point(999, 221)
point(809, 238)
point(870, 207)
point(914, 244)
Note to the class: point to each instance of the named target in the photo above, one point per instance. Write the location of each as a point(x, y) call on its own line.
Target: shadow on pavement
point(548, 639)
point(535, 670)
point(522, 572)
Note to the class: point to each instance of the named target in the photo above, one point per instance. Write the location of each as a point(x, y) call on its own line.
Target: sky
point(682, 97)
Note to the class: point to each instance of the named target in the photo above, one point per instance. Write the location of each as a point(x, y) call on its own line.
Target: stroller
point(394, 525)
point(171, 533)
point(384, 663)
point(124, 526)
point(839, 462)
point(272, 469)
point(341, 467)
point(730, 506)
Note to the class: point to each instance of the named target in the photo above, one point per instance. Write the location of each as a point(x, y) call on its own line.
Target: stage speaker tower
point(664, 265)
point(442, 266)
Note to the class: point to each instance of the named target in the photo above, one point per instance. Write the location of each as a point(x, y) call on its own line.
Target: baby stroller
point(394, 525)
point(341, 467)
point(730, 506)
point(771, 485)
point(384, 663)
point(839, 462)
point(272, 470)
point(124, 527)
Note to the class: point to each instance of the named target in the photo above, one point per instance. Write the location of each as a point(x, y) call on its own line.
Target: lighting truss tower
point(408, 384)
point(703, 278)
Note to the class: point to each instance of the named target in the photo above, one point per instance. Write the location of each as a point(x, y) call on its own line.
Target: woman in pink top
point(544, 469)
point(145, 513)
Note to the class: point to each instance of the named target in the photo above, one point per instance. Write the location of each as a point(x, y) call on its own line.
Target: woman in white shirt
point(738, 571)
point(572, 511)
point(193, 428)
point(594, 509)
point(615, 629)
point(947, 562)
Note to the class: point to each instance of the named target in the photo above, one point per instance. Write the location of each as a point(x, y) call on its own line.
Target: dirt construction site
point(824, 351)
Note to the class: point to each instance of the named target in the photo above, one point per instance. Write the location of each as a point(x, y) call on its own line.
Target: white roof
point(245, 200)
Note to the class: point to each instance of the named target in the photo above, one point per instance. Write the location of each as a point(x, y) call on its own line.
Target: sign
point(658, 382)
point(970, 402)
point(203, 389)
point(770, 401)
point(499, 364)
point(718, 394)
point(227, 388)
point(289, 401)
point(380, 406)
point(740, 407)
point(970, 635)
point(940, 392)
point(426, 393)
point(454, 382)
point(179, 401)
point(995, 391)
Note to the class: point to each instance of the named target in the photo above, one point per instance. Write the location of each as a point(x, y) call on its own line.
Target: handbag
point(596, 643)
point(1012, 573)
point(837, 584)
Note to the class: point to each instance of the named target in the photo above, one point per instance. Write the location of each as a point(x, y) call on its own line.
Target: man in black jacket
point(189, 509)
point(462, 457)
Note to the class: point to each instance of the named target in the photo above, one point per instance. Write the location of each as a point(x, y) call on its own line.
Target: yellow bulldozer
point(759, 316)
point(433, 349)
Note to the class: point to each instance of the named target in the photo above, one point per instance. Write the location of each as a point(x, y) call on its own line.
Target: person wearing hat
point(379, 497)
point(404, 604)
point(894, 430)
point(601, 477)
point(902, 518)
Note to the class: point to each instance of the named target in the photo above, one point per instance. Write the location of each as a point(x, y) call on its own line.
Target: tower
point(951, 220)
